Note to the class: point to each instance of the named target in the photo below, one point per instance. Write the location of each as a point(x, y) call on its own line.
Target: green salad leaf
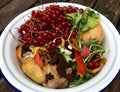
point(79, 80)
point(92, 54)
point(94, 47)
point(89, 20)
point(83, 21)
point(75, 18)
point(88, 44)
point(67, 57)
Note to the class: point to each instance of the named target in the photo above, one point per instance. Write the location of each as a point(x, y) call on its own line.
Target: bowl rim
point(3, 37)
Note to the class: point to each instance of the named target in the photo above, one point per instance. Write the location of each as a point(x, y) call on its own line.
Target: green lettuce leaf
point(79, 80)
point(83, 21)
point(89, 20)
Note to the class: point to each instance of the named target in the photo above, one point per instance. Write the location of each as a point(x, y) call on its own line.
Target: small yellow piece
point(19, 52)
point(36, 49)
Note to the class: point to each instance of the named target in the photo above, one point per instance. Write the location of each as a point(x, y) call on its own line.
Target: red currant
point(96, 64)
point(58, 41)
point(90, 65)
point(54, 35)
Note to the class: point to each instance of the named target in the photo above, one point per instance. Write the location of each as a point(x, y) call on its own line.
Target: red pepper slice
point(80, 63)
point(38, 60)
point(79, 60)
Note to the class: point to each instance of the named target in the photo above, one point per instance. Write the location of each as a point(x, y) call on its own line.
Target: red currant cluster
point(91, 64)
point(47, 25)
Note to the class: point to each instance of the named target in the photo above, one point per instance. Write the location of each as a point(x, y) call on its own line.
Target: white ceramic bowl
point(11, 70)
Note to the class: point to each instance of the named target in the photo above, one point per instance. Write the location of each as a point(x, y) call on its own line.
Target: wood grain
point(89, 3)
point(109, 8)
point(40, 2)
point(5, 87)
point(12, 9)
point(115, 84)
point(3, 2)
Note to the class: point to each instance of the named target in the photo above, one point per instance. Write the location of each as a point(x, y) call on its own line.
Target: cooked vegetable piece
point(38, 60)
point(95, 33)
point(19, 51)
point(81, 65)
point(31, 69)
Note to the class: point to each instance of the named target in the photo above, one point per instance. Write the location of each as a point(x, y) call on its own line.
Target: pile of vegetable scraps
point(60, 47)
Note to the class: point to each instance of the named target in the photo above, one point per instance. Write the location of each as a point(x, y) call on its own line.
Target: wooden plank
point(3, 2)
point(114, 86)
point(12, 9)
point(89, 3)
point(109, 8)
point(5, 87)
point(40, 2)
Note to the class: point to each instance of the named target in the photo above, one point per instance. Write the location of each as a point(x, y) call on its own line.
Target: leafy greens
point(83, 21)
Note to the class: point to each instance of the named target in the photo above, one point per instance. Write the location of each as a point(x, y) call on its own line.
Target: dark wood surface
point(11, 8)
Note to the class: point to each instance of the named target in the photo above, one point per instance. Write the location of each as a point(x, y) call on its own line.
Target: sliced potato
point(95, 33)
point(102, 63)
point(33, 70)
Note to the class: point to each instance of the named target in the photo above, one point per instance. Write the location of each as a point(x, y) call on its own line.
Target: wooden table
point(11, 8)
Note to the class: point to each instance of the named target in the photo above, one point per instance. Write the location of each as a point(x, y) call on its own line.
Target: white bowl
point(11, 70)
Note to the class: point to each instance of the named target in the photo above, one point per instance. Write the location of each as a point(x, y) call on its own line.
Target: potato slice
point(102, 63)
point(33, 70)
point(95, 33)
